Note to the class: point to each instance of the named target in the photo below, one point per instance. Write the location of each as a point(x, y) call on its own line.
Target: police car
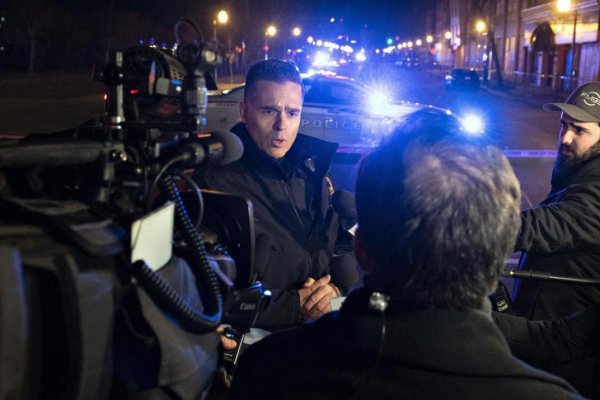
point(336, 109)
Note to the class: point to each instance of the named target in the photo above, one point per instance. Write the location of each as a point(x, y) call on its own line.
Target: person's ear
point(243, 111)
point(360, 252)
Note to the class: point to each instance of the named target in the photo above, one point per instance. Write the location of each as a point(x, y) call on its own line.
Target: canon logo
point(247, 306)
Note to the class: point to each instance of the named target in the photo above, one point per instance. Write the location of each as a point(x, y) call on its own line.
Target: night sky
point(382, 18)
point(404, 17)
point(81, 31)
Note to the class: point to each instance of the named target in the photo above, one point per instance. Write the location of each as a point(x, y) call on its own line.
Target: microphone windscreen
point(344, 205)
point(234, 148)
point(344, 272)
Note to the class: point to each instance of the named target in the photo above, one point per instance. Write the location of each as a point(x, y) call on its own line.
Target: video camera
point(108, 288)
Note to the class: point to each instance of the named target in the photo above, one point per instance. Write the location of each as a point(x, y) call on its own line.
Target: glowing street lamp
point(565, 6)
point(418, 42)
point(480, 26)
point(271, 30)
point(448, 37)
point(222, 18)
point(429, 39)
point(296, 31)
point(269, 33)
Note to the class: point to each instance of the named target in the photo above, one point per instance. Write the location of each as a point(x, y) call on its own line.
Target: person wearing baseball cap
point(561, 235)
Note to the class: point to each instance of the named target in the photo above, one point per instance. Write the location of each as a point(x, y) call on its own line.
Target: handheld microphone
point(546, 276)
point(344, 205)
point(216, 148)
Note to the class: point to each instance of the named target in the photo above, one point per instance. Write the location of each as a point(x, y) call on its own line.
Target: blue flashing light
point(472, 124)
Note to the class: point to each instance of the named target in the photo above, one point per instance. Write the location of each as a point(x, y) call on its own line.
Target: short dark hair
point(271, 70)
point(438, 213)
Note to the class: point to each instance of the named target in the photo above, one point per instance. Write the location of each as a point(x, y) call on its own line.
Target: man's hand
point(315, 297)
point(227, 343)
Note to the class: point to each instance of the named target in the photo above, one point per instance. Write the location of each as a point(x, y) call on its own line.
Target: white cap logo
point(591, 98)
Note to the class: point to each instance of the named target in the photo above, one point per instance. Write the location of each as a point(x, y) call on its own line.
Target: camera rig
point(113, 172)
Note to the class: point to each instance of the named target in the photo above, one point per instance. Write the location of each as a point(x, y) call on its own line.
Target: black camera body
point(83, 318)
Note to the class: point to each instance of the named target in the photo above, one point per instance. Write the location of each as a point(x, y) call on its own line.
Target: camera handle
point(113, 77)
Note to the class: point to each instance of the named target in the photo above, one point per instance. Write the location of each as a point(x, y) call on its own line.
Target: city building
point(541, 45)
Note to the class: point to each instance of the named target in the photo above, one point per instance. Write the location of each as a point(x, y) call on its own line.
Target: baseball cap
point(583, 104)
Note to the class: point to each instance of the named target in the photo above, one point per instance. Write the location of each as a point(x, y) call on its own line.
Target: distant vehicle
point(408, 63)
point(336, 109)
point(462, 79)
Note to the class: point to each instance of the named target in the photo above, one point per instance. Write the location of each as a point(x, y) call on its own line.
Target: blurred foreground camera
point(117, 267)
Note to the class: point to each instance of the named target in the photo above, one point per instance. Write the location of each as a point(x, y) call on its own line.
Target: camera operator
point(437, 214)
point(283, 173)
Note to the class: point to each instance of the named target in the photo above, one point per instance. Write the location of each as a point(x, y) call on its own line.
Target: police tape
point(517, 153)
point(530, 153)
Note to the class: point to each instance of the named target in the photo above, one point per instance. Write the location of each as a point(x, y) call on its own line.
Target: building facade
point(536, 44)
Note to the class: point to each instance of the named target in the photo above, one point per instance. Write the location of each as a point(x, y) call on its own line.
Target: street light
point(480, 26)
point(448, 37)
point(564, 6)
point(296, 31)
point(270, 32)
point(222, 18)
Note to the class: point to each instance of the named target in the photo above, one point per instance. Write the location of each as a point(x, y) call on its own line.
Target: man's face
point(272, 115)
point(576, 137)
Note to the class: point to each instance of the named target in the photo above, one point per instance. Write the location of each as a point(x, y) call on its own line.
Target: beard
point(565, 166)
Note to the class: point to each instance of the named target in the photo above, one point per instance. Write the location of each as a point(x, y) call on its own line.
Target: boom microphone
point(545, 276)
point(217, 148)
point(344, 205)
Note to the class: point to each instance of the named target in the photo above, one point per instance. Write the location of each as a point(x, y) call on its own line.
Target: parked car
point(336, 109)
point(462, 79)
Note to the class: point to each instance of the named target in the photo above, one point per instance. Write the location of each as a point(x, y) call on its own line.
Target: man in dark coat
point(437, 214)
point(572, 338)
point(561, 236)
point(283, 173)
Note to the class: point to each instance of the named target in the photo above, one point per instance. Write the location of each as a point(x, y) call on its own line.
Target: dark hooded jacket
point(290, 198)
point(561, 236)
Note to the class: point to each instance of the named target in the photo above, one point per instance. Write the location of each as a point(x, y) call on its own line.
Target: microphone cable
point(378, 302)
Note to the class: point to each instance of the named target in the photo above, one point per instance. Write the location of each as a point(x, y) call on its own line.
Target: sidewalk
point(532, 95)
point(225, 82)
